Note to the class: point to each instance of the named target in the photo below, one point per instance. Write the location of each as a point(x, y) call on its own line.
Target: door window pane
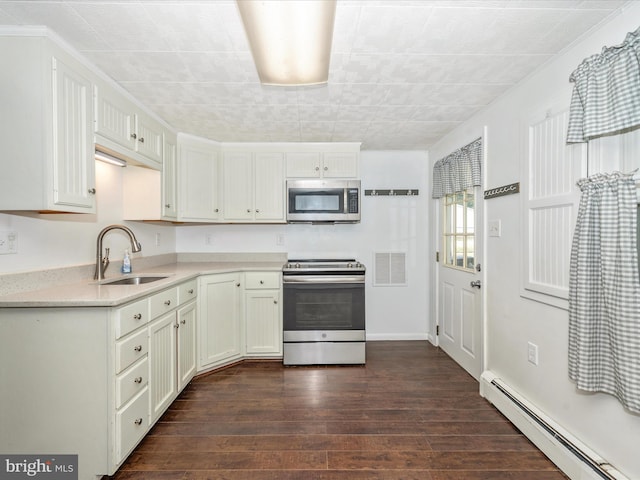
point(459, 230)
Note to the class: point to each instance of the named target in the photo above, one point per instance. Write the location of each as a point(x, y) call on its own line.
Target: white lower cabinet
point(263, 314)
point(171, 345)
point(163, 365)
point(220, 321)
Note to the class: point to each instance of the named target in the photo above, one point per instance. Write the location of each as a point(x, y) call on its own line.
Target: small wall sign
point(501, 191)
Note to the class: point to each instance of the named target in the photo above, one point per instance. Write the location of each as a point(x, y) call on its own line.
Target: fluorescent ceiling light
point(290, 40)
point(107, 158)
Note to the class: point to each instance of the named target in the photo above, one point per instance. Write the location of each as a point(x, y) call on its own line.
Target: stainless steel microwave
point(318, 200)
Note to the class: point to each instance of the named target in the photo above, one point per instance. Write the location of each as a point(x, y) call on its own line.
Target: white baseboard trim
point(396, 336)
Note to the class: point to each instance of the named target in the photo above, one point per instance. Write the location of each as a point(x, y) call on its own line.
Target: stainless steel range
point(324, 312)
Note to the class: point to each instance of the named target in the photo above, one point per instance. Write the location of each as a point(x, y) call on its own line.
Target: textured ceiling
point(403, 73)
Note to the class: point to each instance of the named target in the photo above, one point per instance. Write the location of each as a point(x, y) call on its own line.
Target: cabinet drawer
point(132, 422)
point(131, 349)
point(132, 381)
point(131, 316)
point(187, 291)
point(269, 280)
point(163, 302)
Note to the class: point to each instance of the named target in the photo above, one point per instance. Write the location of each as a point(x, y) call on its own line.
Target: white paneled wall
point(549, 208)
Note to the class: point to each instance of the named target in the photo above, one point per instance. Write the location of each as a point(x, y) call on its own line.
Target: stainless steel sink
point(133, 280)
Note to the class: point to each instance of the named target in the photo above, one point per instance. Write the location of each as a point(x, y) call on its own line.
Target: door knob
point(476, 284)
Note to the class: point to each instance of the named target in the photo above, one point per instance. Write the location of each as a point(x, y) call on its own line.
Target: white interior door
point(460, 303)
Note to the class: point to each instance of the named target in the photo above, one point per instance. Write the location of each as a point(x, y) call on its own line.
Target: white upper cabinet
point(45, 129)
point(198, 190)
point(324, 162)
point(253, 186)
point(170, 178)
point(123, 128)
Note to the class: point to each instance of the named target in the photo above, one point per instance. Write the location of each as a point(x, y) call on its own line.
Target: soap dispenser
point(126, 262)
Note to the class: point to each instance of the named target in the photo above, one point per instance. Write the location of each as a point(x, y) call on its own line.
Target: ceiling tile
point(402, 72)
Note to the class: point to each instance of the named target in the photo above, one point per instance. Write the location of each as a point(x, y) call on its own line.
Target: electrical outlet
point(532, 353)
point(8, 242)
point(208, 239)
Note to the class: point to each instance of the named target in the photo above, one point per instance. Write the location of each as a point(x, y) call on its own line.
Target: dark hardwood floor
point(410, 413)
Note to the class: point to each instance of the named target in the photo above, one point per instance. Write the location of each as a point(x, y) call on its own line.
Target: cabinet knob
point(275, 302)
point(134, 136)
point(237, 284)
point(257, 210)
point(167, 205)
point(138, 348)
point(141, 139)
point(261, 282)
point(138, 380)
point(137, 316)
point(138, 421)
point(216, 210)
point(317, 168)
point(167, 302)
point(190, 291)
point(92, 191)
point(248, 210)
point(183, 321)
point(326, 168)
point(176, 325)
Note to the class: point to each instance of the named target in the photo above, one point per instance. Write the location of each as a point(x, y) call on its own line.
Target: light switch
point(495, 228)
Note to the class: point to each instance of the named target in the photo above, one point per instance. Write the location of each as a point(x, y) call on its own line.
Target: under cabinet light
point(290, 40)
point(105, 157)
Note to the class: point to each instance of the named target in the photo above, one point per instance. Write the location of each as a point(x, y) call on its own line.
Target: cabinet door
point(170, 180)
point(73, 161)
point(114, 118)
point(219, 319)
point(237, 186)
point(186, 344)
point(162, 364)
point(263, 317)
point(197, 182)
point(340, 165)
point(269, 187)
point(303, 164)
point(149, 141)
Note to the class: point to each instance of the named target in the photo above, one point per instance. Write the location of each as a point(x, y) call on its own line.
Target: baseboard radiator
point(570, 455)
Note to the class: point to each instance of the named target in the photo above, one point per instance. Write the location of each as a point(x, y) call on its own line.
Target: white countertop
point(91, 294)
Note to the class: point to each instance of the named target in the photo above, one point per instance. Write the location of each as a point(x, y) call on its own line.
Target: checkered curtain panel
point(458, 170)
point(606, 94)
point(604, 290)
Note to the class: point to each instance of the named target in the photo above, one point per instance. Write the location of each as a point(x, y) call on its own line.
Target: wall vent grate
point(390, 269)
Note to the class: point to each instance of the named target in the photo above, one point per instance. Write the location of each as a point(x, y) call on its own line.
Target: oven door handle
point(323, 279)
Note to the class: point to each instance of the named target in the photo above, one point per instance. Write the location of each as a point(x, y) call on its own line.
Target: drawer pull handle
point(137, 316)
point(138, 421)
point(167, 303)
point(190, 291)
point(138, 348)
point(138, 380)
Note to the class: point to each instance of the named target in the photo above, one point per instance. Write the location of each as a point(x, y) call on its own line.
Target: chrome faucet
point(102, 262)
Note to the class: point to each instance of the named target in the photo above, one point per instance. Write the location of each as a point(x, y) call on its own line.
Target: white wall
point(397, 224)
point(512, 321)
point(63, 240)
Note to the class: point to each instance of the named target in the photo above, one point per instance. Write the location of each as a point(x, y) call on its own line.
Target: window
point(459, 230)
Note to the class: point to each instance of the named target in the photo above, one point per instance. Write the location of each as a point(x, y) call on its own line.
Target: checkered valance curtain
point(606, 94)
point(459, 170)
point(604, 290)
